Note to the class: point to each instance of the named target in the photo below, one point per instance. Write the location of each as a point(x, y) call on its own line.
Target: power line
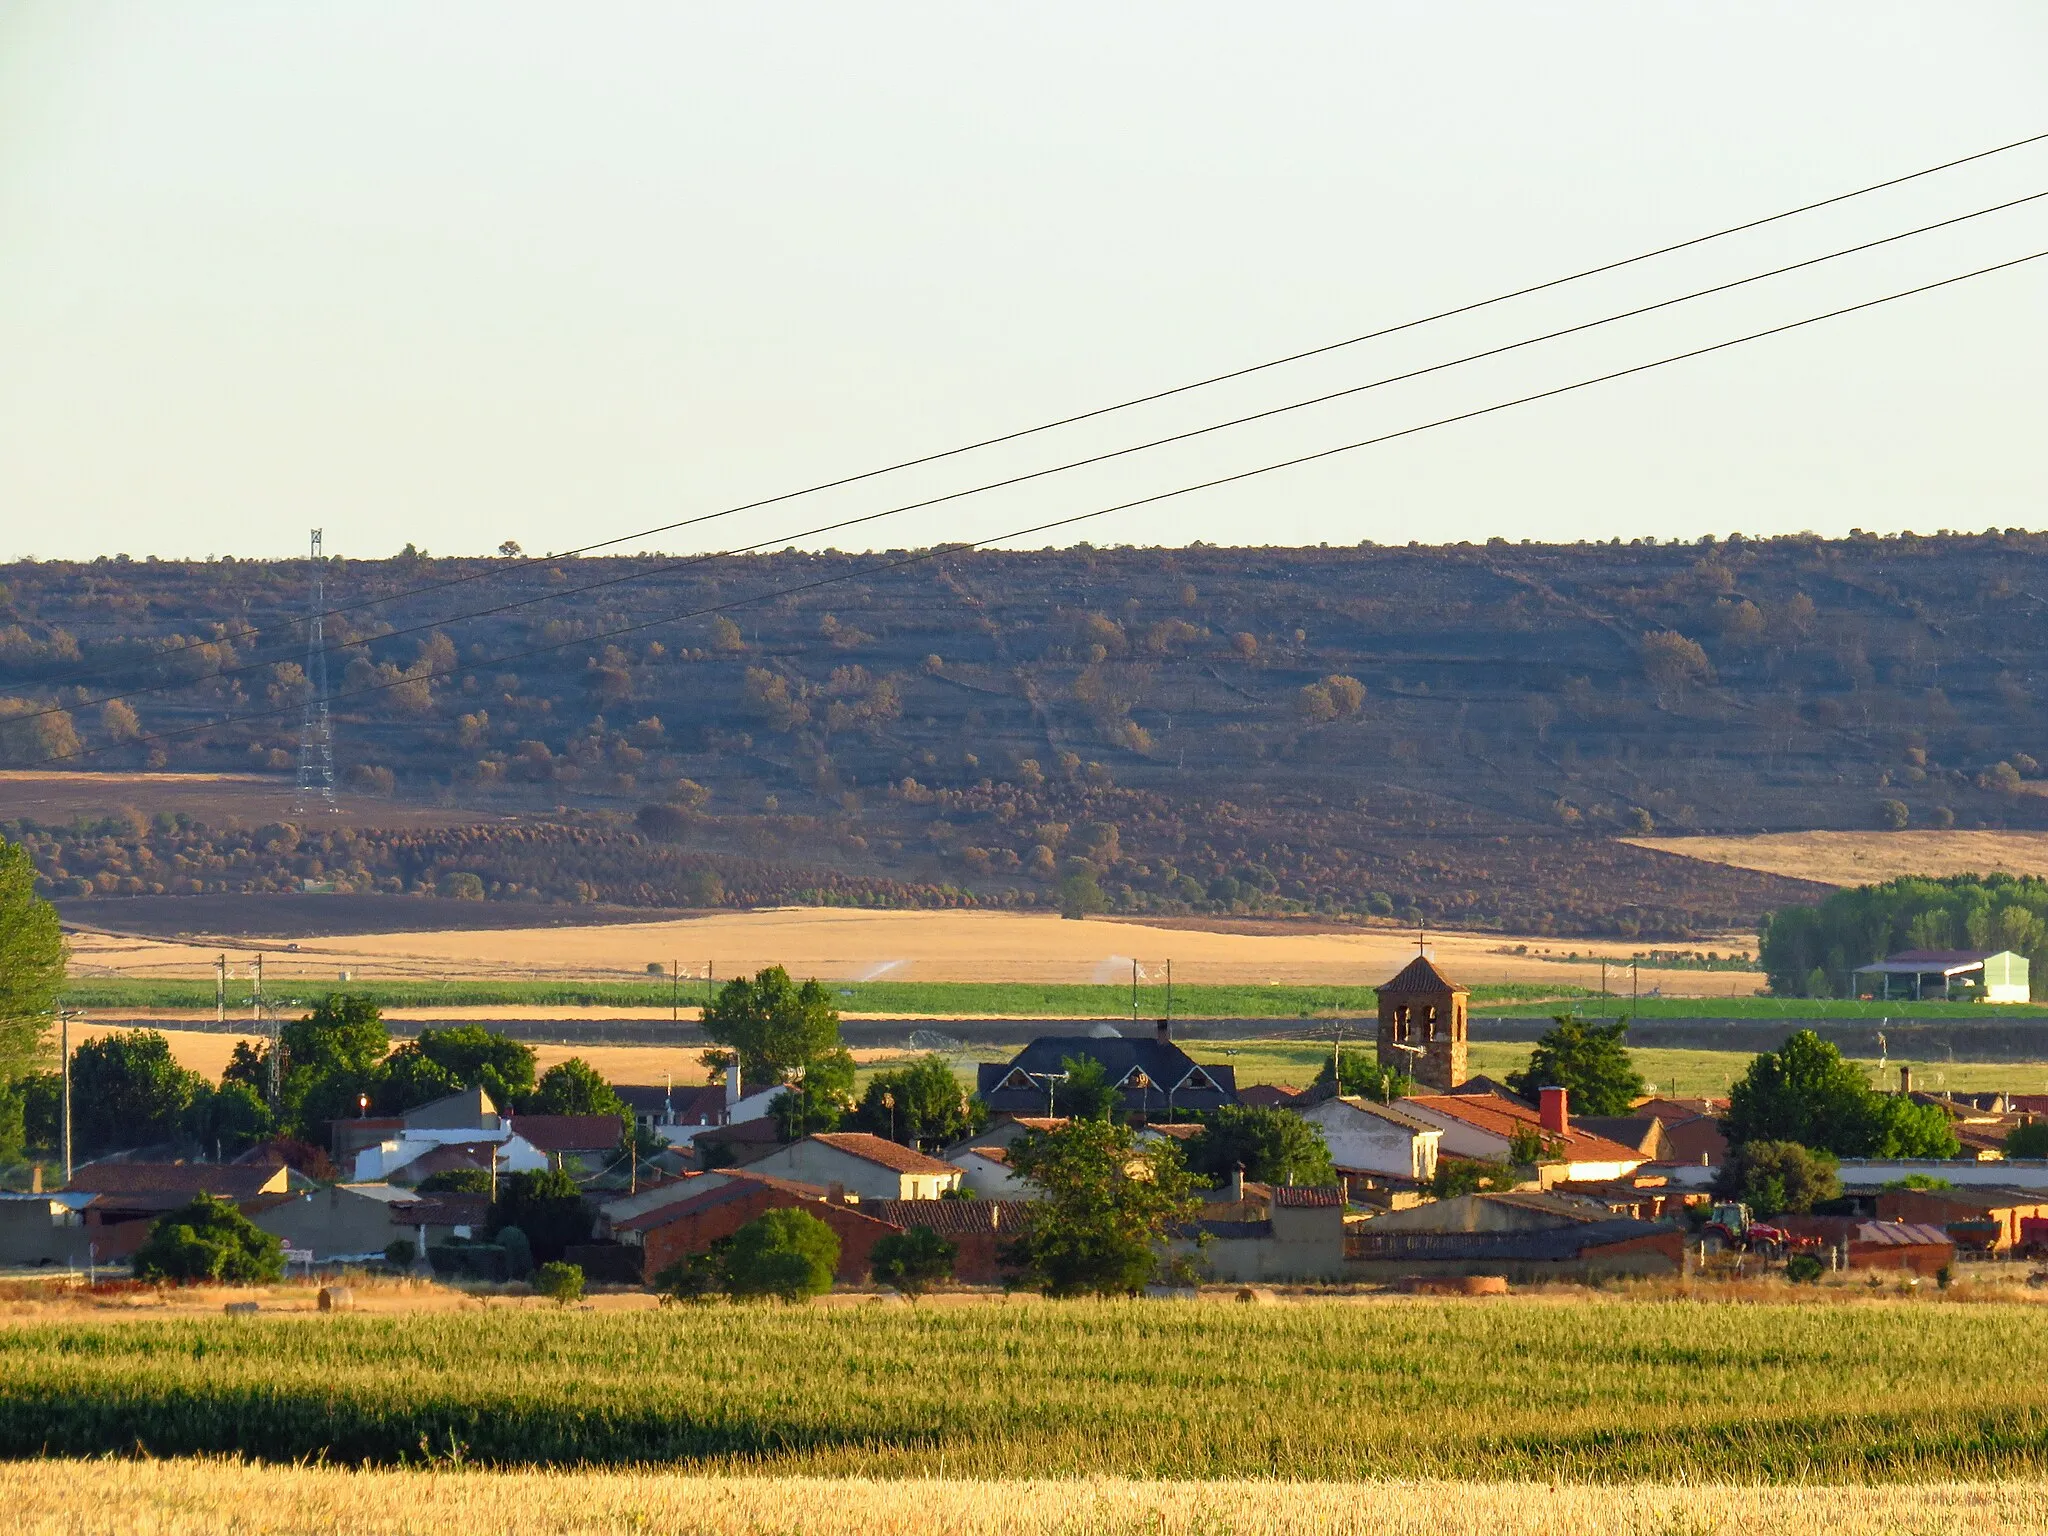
point(672, 567)
point(527, 563)
point(920, 556)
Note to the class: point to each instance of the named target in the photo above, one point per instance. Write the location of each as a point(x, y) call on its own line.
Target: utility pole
point(675, 991)
point(316, 729)
point(220, 989)
point(1134, 997)
point(1634, 980)
point(1169, 994)
point(64, 1018)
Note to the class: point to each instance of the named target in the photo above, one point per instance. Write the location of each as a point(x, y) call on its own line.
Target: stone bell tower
point(1423, 1025)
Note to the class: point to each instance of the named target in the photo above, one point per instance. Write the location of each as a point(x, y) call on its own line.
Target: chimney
point(835, 1194)
point(1163, 1032)
point(1235, 1189)
point(1552, 1107)
point(1905, 1079)
point(733, 1091)
point(35, 1180)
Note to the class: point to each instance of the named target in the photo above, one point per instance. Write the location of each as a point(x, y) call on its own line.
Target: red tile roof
point(1311, 1198)
point(568, 1133)
point(876, 1149)
point(737, 1184)
point(1419, 976)
point(993, 1154)
point(188, 1179)
point(1503, 1117)
point(1268, 1095)
point(949, 1217)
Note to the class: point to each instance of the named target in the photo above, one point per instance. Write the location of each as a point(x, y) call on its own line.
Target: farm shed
point(2000, 975)
point(2006, 1209)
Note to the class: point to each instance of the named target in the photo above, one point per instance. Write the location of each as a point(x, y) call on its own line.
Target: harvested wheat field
point(1865, 858)
point(171, 1498)
point(838, 943)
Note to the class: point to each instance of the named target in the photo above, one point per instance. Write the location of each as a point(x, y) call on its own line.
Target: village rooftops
point(1504, 1118)
point(181, 1181)
point(1149, 1074)
point(877, 1149)
point(568, 1133)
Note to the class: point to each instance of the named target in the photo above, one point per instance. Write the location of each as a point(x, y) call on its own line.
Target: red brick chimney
point(1552, 1107)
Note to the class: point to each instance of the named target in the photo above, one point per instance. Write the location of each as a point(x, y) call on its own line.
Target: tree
point(777, 1029)
point(127, 1090)
point(1273, 1146)
point(330, 1057)
point(444, 1061)
point(456, 1181)
point(1588, 1059)
point(1671, 662)
point(1084, 1091)
point(920, 1104)
point(1080, 896)
point(32, 957)
point(1108, 1207)
point(575, 1087)
point(1855, 927)
point(805, 1110)
point(209, 1240)
point(912, 1262)
point(1359, 1075)
point(560, 1283)
point(1805, 1092)
point(548, 1207)
point(789, 1254)
point(230, 1119)
point(1457, 1176)
point(2029, 1140)
point(1777, 1177)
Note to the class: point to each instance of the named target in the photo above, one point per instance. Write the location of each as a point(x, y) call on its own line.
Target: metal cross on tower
point(316, 732)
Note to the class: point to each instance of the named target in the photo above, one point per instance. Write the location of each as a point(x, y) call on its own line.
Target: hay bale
point(1256, 1295)
point(241, 1309)
point(337, 1298)
point(1455, 1285)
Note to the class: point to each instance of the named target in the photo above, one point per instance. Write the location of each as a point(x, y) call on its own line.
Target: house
point(1692, 1129)
point(44, 1228)
point(1992, 976)
point(417, 1155)
point(1643, 1132)
point(1152, 1076)
point(726, 1201)
point(469, 1111)
point(867, 1167)
point(1485, 1127)
point(986, 1171)
point(426, 1221)
point(1300, 1237)
point(129, 1197)
point(341, 1221)
point(584, 1145)
point(1365, 1137)
point(1423, 1025)
point(1518, 1210)
point(668, 1109)
point(1983, 1219)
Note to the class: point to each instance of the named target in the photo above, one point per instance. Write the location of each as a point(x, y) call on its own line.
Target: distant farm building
point(1991, 976)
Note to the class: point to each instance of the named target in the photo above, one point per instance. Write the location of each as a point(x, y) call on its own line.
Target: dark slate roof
point(1419, 976)
point(1166, 1064)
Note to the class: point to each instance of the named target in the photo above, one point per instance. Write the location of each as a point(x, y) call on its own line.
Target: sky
point(470, 272)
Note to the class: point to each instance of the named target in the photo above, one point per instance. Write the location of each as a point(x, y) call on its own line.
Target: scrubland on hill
point(191, 1497)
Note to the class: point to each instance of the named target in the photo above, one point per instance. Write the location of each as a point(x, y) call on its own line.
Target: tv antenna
point(316, 730)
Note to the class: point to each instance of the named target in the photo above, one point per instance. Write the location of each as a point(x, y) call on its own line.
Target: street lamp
point(362, 1106)
point(1143, 1084)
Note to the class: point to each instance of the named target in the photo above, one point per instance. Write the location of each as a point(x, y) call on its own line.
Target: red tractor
point(1732, 1227)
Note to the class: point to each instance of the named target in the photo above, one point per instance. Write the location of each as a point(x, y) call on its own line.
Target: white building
point(1365, 1137)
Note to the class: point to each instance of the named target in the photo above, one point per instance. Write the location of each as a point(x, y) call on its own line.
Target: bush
point(464, 1260)
point(1804, 1269)
point(789, 1254)
point(518, 1252)
point(209, 1240)
point(695, 1276)
point(2029, 1140)
point(400, 1252)
point(560, 1283)
point(456, 1181)
point(1774, 1177)
point(548, 1209)
point(913, 1261)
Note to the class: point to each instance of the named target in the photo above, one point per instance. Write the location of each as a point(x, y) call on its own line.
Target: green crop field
point(938, 998)
point(1593, 1006)
point(1603, 1389)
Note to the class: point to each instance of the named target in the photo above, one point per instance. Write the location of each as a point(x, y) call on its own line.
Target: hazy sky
point(463, 272)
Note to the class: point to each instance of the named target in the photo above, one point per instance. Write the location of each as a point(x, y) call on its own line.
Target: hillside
point(1462, 734)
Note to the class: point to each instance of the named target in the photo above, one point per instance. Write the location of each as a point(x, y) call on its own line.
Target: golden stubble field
point(188, 1497)
point(1864, 858)
point(840, 944)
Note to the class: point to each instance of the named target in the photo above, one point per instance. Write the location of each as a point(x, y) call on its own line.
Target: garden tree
point(779, 1030)
point(518, 1251)
point(1856, 927)
point(913, 1261)
point(1777, 1177)
point(228, 1120)
point(209, 1240)
point(1359, 1075)
point(249, 1065)
point(1528, 1146)
point(330, 1057)
point(1084, 1091)
point(548, 1207)
point(128, 1091)
point(1805, 1092)
point(921, 1104)
point(1588, 1059)
point(560, 1283)
point(805, 1109)
point(789, 1254)
point(1273, 1146)
point(456, 1181)
point(2029, 1140)
point(445, 1061)
point(574, 1087)
point(1457, 1176)
point(1080, 895)
point(1108, 1207)
point(32, 957)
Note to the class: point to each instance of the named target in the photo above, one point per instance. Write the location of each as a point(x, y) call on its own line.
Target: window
point(1402, 1016)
